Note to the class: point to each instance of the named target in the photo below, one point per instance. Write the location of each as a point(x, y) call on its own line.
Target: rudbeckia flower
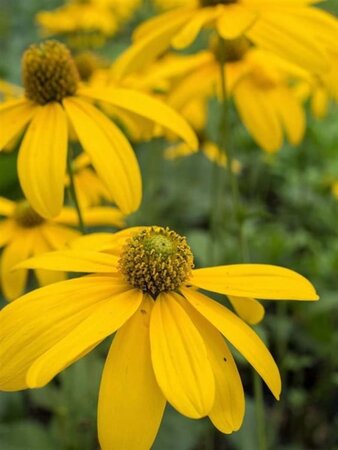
point(292, 29)
point(53, 96)
point(169, 344)
point(24, 233)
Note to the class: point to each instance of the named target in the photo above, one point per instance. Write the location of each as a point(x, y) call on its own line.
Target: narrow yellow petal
point(6, 207)
point(73, 261)
point(45, 277)
point(228, 409)
point(148, 107)
point(109, 151)
point(240, 335)
point(95, 216)
point(58, 236)
point(130, 398)
point(235, 21)
point(249, 309)
point(7, 231)
point(14, 116)
point(42, 160)
point(146, 50)
point(255, 280)
point(258, 114)
point(202, 17)
point(180, 359)
point(36, 322)
point(104, 320)
point(20, 248)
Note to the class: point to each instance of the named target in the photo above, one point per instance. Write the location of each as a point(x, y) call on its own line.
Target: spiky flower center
point(156, 260)
point(216, 2)
point(49, 72)
point(25, 215)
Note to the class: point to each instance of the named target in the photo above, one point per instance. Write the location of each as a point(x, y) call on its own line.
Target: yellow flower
point(169, 344)
point(292, 29)
point(54, 97)
point(23, 233)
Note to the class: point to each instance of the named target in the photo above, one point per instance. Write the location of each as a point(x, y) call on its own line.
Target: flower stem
point(73, 191)
point(239, 219)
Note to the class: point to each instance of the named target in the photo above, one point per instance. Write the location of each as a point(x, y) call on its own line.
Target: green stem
point(227, 149)
point(73, 192)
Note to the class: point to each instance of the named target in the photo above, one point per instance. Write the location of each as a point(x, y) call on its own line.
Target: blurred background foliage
point(291, 219)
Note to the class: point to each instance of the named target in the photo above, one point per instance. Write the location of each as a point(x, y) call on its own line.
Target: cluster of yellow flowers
point(269, 56)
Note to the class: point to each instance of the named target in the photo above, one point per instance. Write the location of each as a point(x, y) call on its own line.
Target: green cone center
point(156, 260)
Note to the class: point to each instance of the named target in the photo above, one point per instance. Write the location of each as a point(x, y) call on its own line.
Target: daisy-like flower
point(292, 29)
point(24, 233)
point(169, 344)
point(54, 97)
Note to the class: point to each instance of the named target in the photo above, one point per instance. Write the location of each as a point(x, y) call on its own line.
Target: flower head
point(54, 99)
point(169, 344)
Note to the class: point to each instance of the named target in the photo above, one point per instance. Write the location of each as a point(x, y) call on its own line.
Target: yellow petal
point(240, 335)
point(58, 236)
point(146, 50)
point(73, 261)
point(109, 151)
point(42, 160)
point(104, 320)
point(36, 322)
point(92, 241)
point(6, 207)
point(19, 249)
point(95, 216)
point(228, 409)
point(255, 280)
point(202, 17)
point(258, 114)
point(180, 359)
point(289, 38)
point(45, 277)
point(130, 398)
point(235, 21)
point(14, 115)
point(7, 231)
point(320, 102)
point(148, 107)
point(248, 309)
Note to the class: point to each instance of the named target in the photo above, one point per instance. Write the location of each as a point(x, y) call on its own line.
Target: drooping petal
point(146, 50)
point(110, 153)
point(14, 282)
point(187, 35)
point(43, 276)
point(148, 107)
point(38, 321)
point(7, 231)
point(258, 114)
point(228, 409)
point(6, 207)
point(235, 21)
point(104, 320)
point(131, 403)
point(255, 280)
point(249, 309)
point(58, 236)
point(97, 215)
point(14, 115)
point(240, 335)
point(42, 160)
point(72, 261)
point(180, 359)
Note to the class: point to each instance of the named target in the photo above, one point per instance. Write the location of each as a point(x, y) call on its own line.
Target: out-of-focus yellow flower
point(169, 344)
point(293, 30)
point(164, 5)
point(87, 23)
point(259, 83)
point(23, 233)
point(90, 190)
point(335, 189)
point(54, 97)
